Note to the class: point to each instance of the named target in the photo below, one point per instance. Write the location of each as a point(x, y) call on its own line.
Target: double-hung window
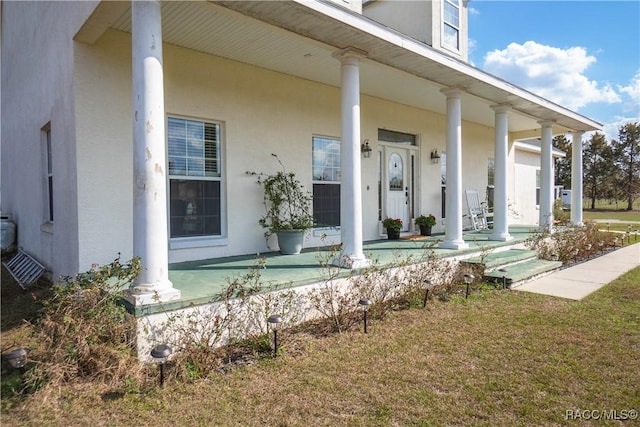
point(451, 24)
point(46, 136)
point(326, 181)
point(538, 185)
point(195, 175)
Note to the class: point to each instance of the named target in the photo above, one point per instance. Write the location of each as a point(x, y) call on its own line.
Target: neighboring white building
point(128, 127)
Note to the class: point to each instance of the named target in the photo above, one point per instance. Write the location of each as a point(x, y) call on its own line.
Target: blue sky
point(584, 55)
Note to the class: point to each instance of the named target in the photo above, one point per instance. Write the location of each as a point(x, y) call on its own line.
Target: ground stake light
point(504, 277)
point(18, 358)
point(427, 285)
point(275, 322)
point(468, 278)
point(364, 304)
point(587, 249)
point(161, 353)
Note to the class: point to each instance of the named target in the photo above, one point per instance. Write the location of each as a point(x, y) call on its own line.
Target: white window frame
point(445, 24)
point(325, 230)
point(48, 174)
point(183, 242)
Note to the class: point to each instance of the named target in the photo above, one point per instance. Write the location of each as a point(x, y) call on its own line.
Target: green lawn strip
point(502, 358)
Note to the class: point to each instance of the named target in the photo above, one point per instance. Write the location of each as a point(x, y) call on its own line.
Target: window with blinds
point(195, 173)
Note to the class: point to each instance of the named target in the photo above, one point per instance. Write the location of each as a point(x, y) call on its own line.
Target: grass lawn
point(618, 217)
point(498, 358)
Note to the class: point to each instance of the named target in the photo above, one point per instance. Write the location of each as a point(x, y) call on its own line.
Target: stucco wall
point(37, 88)
point(421, 20)
point(262, 112)
point(524, 201)
point(410, 17)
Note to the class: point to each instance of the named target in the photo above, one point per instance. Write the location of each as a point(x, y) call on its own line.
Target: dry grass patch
point(498, 358)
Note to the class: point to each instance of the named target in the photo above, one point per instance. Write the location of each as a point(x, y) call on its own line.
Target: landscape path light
point(468, 278)
point(365, 305)
point(504, 277)
point(555, 257)
point(587, 249)
point(18, 359)
point(275, 322)
point(427, 285)
point(161, 353)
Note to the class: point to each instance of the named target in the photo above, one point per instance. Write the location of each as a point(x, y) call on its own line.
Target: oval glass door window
point(395, 172)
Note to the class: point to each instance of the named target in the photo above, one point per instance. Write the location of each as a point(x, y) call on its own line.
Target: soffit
point(296, 39)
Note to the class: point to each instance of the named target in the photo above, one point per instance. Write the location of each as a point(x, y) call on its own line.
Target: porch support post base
point(351, 262)
point(139, 295)
point(454, 244)
point(501, 237)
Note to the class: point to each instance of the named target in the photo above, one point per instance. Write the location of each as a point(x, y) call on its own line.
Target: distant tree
point(626, 153)
point(597, 167)
point(563, 166)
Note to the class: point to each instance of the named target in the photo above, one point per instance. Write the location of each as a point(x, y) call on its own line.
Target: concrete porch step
point(522, 271)
point(496, 260)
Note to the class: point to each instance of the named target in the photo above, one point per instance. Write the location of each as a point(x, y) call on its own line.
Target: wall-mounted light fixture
point(365, 149)
point(435, 157)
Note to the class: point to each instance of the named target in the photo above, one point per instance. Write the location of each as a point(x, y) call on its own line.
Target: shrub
point(394, 224)
point(85, 331)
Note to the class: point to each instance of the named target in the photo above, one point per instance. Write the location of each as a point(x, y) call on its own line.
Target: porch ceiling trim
point(397, 67)
point(340, 27)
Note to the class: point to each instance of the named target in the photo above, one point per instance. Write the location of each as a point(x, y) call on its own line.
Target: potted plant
point(393, 226)
point(425, 223)
point(288, 209)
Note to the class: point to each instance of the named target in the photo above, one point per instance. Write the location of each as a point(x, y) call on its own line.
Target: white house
point(128, 127)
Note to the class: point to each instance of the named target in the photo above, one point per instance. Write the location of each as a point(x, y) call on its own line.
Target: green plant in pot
point(288, 208)
point(425, 222)
point(393, 226)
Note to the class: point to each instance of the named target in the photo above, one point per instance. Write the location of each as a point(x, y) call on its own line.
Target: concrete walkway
point(578, 281)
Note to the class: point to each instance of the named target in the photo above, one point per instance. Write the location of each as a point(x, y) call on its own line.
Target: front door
point(398, 185)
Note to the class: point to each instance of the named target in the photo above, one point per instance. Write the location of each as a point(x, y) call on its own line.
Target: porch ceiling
point(298, 38)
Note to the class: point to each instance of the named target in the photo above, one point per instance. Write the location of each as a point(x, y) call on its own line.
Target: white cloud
point(632, 92)
point(553, 73)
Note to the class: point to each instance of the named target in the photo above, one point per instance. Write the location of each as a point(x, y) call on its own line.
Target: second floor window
point(451, 24)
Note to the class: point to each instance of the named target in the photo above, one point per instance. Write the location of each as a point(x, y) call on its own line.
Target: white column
point(501, 147)
point(453, 228)
point(150, 239)
point(352, 255)
point(546, 177)
point(500, 209)
point(576, 178)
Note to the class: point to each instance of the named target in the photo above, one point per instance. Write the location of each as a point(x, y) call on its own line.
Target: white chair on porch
point(479, 214)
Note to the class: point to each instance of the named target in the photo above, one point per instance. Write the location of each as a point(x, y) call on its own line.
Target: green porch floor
point(201, 282)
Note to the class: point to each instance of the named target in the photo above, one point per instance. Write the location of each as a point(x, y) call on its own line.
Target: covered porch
point(347, 57)
point(202, 282)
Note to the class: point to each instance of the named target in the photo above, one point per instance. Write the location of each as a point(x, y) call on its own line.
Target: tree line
point(610, 169)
